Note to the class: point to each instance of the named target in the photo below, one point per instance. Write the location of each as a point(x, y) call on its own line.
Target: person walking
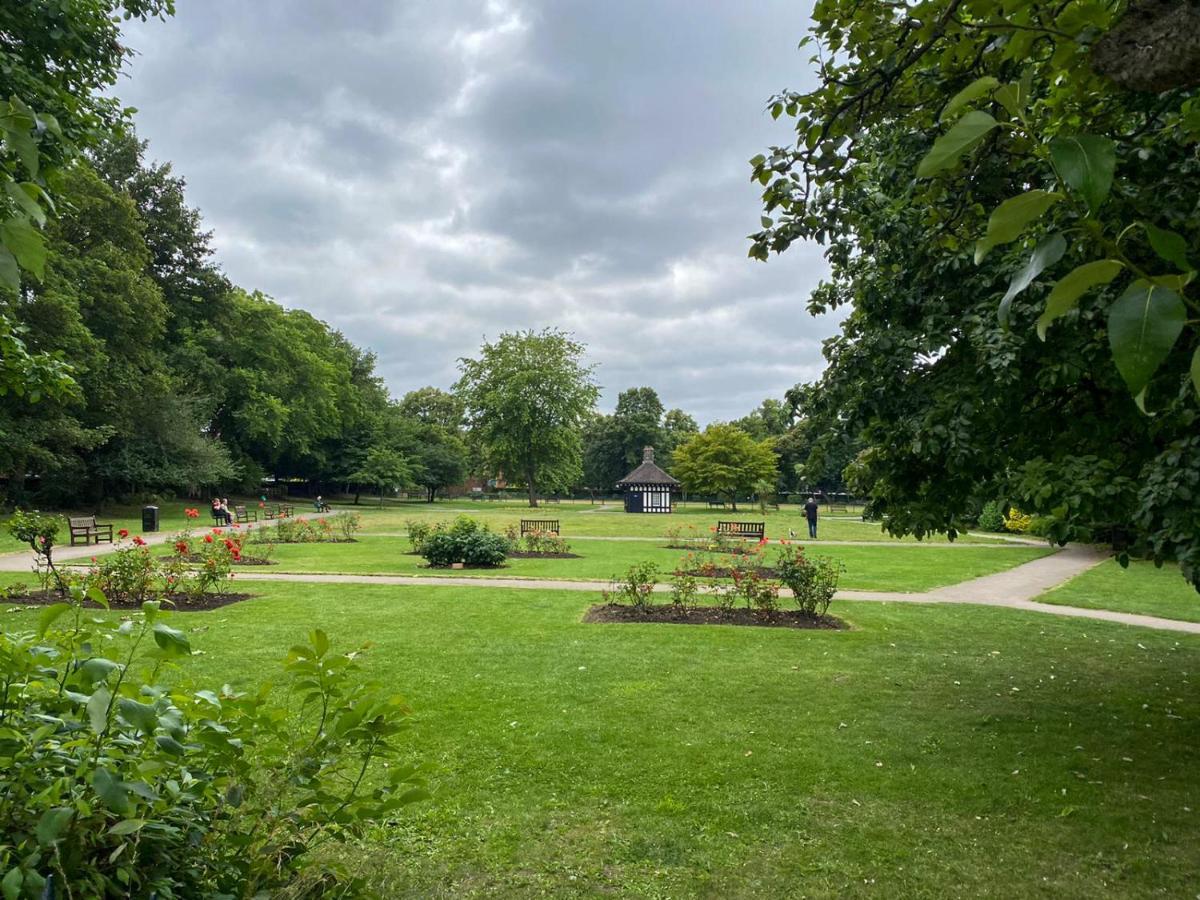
point(810, 513)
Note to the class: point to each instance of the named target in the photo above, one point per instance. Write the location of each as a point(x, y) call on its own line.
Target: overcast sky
point(422, 175)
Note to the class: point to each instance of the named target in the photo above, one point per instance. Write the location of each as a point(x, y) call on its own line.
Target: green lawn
point(899, 567)
point(1141, 588)
point(929, 752)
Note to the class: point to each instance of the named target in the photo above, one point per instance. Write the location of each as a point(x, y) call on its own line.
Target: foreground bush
point(463, 541)
point(111, 784)
point(813, 580)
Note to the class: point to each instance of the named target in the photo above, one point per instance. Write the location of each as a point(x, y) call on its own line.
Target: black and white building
point(648, 488)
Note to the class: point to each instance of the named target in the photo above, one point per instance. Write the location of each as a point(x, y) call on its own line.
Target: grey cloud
point(421, 175)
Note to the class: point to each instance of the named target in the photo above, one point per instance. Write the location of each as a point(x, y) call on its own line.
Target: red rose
point(208, 539)
point(124, 532)
point(139, 541)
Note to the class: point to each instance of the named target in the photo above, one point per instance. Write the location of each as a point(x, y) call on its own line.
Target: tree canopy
point(527, 396)
point(726, 462)
point(1002, 202)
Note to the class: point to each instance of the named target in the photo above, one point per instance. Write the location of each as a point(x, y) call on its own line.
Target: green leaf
point(966, 134)
point(52, 824)
point(1066, 293)
point(141, 716)
point(10, 272)
point(171, 640)
point(111, 791)
point(49, 616)
point(1009, 219)
point(978, 88)
point(25, 243)
point(320, 641)
point(169, 745)
point(1169, 246)
point(20, 137)
point(1046, 254)
point(1014, 97)
point(128, 826)
point(1196, 370)
point(97, 709)
point(25, 196)
point(1086, 163)
point(1143, 325)
point(11, 884)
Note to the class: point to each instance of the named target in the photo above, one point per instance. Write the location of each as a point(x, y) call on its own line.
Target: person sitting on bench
point(321, 505)
point(220, 512)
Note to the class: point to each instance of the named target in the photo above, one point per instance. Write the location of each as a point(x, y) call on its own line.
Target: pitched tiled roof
point(647, 472)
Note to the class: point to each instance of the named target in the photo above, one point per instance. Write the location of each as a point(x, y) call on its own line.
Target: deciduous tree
point(725, 461)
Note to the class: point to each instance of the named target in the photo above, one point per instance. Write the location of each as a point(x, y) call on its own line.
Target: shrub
point(813, 582)
point(326, 529)
point(347, 525)
point(749, 582)
point(464, 541)
point(542, 542)
point(1017, 522)
point(418, 533)
point(991, 517)
point(40, 532)
point(111, 784)
point(636, 588)
point(684, 590)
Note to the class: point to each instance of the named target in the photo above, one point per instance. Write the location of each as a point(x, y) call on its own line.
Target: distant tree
point(725, 461)
point(677, 427)
point(385, 469)
point(638, 420)
point(440, 460)
point(526, 397)
point(603, 453)
point(771, 419)
point(432, 406)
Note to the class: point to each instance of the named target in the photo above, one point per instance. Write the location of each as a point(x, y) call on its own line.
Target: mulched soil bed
point(209, 601)
point(711, 615)
point(244, 561)
point(765, 572)
point(526, 554)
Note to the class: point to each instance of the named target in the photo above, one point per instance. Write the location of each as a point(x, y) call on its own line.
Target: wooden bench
point(529, 526)
point(87, 528)
point(716, 504)
point(743, 529)
point(279, 512)
point(242, 515)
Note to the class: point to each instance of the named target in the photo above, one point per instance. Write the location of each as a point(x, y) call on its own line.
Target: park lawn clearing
point(929, 751)
point(887, 567)
point(582, 518)
point(1142, 588)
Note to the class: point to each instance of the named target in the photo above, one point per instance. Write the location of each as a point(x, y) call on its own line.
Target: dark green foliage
point(991, 517)
point(111, 784)
point(813, 581)
point(1019, 287)
point(463, 541)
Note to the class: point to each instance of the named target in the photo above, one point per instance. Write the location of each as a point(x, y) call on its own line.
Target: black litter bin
point(149, 518)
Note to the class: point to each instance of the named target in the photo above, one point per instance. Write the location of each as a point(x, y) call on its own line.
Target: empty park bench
point(243, 515)
point(279, 512)
point(86, 530)
point(716, 504)
point(756, 530)
point(533, 526)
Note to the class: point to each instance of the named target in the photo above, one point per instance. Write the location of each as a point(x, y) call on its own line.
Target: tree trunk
point(532, 489)
point(733, 501)
point(431, 493)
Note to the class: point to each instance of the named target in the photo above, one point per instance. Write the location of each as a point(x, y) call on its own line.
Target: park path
point(808, 544)
point(22, 560)
point(1013, 589)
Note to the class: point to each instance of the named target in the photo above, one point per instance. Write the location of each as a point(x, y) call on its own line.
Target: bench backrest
point(743, 529)
point(528, 525)
point(77, 523)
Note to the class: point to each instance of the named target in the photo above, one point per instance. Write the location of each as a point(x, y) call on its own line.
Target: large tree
point(1005, 214)
point(56, 60)
point(725, 461)
point(526, 397)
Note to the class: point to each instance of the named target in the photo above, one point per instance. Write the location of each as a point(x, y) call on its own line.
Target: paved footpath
point(1012, 589)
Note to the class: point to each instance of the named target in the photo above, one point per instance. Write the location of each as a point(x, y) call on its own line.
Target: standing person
point(810, 513)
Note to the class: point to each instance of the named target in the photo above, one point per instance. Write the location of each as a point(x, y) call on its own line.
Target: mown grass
point(928, 752)
point(900, 568)
point(1141, 588)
